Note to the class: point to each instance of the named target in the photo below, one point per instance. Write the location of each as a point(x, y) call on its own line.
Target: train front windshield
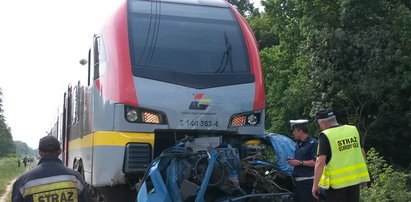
point(170, 40)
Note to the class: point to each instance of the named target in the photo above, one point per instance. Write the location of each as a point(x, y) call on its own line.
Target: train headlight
point(252, 119)
point(246, 119)
point(238, 121)
point(149, 117)
point(132, 115)
point(142, 115)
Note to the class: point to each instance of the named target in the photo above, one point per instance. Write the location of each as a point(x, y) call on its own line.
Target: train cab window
point(189, 44)
point(99, 58)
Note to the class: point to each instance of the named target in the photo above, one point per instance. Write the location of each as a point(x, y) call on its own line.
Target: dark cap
point(298, 123)
point(49, 144)
point(324, 113)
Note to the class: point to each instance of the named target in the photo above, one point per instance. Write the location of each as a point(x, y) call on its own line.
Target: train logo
point(199, 103)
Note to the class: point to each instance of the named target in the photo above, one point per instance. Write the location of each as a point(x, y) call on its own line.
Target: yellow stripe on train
point(111, 138)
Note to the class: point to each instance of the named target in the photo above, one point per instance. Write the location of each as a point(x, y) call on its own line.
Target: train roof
point(216, 3)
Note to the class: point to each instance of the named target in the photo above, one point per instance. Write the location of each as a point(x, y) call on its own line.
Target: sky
point(41, 44)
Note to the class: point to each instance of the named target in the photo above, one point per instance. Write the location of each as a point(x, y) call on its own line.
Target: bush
point(12, 155)
point(387, 184)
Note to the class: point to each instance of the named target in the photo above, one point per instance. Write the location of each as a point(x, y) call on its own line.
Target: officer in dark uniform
point(25, 161)
point(303, 161)
point(50, 180)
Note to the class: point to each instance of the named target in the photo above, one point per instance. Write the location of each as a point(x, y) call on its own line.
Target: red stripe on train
point(118, 83)
point(255, 64)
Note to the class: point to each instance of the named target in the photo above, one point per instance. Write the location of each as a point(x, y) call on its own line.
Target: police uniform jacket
point(50, 181)
point(305, 151)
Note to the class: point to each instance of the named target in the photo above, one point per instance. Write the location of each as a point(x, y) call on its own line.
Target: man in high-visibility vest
point(340, 166)
point(50, 180)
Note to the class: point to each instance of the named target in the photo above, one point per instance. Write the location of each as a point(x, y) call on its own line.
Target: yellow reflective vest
point(347, 165)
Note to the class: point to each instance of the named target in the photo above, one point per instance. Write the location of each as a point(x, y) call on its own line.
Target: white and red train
point(159, 71)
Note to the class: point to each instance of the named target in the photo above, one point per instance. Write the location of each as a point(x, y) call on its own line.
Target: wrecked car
point(221, 168)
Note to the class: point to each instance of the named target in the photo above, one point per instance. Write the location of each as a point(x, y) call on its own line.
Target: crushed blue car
point(216, 169)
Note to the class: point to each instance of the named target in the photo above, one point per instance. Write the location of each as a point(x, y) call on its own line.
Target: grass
point(8, 171)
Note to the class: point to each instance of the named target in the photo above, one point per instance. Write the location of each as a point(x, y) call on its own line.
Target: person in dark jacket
point(25, 161)
point(50, 180)
point(303, 161)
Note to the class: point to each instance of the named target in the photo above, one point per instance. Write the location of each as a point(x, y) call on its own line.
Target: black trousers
point(302, 191)
point(346, 194)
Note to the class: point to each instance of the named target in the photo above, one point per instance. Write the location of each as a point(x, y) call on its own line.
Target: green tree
point(245, 7)
point(407, 3)
point(360, 63)
point(23, 149)
point(351, 55)
point(6, 140)
point(263, 31)
point(285, 68)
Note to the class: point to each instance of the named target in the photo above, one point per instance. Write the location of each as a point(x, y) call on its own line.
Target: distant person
point(50, 180)
point(340, 166)
point(25, 161)
point(303, 161)
point(30, 161)
point(18, 162)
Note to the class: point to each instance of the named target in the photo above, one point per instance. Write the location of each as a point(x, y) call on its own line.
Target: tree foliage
point(263, 31)
point(245, 7)
point(387, 183)
point(23, 149)
point(350, 55)
point(6, 140)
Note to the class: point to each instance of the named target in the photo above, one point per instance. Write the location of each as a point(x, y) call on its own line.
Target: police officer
point(303, 161)
point(340, 166)
point(50, 180)
point(25, 161)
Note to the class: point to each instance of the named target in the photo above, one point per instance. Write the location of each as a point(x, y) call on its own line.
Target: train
point(160, 71)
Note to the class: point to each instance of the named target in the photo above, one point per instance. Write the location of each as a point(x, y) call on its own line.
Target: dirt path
point(8, 190)
point(10, 185)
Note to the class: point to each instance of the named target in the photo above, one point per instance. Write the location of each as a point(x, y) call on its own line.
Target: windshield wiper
point(226, 56)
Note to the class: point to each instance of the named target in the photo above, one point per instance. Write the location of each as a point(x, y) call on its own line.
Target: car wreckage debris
point(219, 173)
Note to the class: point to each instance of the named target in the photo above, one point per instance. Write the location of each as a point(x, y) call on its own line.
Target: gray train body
point(112, 126)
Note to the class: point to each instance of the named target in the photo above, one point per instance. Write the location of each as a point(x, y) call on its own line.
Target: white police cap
point(298, 122)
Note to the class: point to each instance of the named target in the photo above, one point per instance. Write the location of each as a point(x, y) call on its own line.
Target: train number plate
point(198, 123)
